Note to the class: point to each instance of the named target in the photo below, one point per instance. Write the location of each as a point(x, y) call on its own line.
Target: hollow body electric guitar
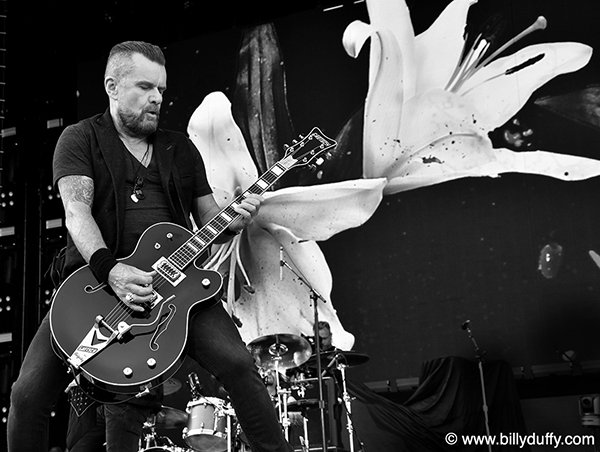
point(128, 352)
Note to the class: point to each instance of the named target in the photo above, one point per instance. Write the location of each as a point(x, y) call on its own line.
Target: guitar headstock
point(308, 150)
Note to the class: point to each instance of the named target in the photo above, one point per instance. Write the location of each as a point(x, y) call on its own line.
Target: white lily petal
point(221, 144)
point(383, 108)
point(448, 159)
point(559, 166)
point(433, 120)
point(542, 163)
point(284, 305)
point(450, 155)
point(394, 17)
point(439, 48)
point(320, 211)
point(354, 37)
point(497, 99)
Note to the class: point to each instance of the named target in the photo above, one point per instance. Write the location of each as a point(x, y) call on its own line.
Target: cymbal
point(280, 351)
point(171, 386)
point(169, 417)
point(337, 357)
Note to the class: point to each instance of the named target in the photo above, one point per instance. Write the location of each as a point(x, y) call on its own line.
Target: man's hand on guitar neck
point(132, 285)
point(248, 209)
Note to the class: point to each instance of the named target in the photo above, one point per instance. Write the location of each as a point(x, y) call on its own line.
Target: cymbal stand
point(149, 434)
point(304, 441)
point(479, 356)
point(229, 435)
point(229, 413)
point(277, 350)
point(315, 296)
point(348, 404)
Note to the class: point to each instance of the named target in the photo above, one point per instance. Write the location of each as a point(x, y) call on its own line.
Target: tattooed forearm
point(77, 193)
point(76, 189)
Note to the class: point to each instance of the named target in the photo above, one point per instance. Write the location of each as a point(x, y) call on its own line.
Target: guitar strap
point(79, 399)
point(55, 270)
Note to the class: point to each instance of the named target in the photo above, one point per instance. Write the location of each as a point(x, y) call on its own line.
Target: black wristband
point(101, 263)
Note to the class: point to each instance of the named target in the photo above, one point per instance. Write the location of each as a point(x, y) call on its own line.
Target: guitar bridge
point(168, 271)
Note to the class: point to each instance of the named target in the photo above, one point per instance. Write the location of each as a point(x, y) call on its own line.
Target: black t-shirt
point(141, 212)
point(92, 148)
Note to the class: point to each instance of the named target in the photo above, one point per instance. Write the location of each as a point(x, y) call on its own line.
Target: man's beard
point(136, 124)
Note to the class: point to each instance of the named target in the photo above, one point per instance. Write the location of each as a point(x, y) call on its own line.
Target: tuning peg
point(295, 141)
point(319, 161)
point(285, 147)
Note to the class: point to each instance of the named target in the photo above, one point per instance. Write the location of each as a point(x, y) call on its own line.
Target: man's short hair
point(119, 62)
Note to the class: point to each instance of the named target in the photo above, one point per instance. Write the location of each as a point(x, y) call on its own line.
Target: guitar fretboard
point(301, 153)
point(204, 238)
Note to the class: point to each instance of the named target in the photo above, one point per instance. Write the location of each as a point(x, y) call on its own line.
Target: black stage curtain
point(448, 399)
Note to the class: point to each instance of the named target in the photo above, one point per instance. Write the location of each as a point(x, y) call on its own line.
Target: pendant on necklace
point(134, 198)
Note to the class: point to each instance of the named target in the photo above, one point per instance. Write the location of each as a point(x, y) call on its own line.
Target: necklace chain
point(138, 181)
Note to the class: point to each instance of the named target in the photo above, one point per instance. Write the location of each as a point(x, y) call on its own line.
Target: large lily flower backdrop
point(274, 301)
point(431, 101)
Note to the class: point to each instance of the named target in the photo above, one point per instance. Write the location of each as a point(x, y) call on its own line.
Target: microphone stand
point(479, 356)
point(315, 297)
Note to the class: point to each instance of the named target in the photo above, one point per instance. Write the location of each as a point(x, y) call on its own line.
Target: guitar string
point(122, 311)
point(126, 311)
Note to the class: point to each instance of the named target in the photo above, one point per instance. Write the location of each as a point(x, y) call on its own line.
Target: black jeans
point(214, 342)
point(119, 426)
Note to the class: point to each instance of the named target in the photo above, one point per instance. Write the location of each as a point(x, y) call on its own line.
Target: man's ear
point(110, 86)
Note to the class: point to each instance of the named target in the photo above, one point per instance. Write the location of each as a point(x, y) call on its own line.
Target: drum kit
point(286, 364)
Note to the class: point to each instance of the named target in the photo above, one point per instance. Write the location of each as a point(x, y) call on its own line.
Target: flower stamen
point(473, 60)
point(539, 24)
point(469, 60)
point(510, 71)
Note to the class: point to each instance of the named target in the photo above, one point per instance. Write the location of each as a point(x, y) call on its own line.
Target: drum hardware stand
point(148, 437)
point(304, 441)
point(229, 413)
point(276, 350)
point(348, 404)
point(479, 356)
point(315, 296)
point(195, 386)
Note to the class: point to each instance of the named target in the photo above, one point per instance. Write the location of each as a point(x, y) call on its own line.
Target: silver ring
point(129, 297)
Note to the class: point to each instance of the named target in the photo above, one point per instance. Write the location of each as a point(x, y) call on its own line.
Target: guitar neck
point(208, 233)
point(301, 153)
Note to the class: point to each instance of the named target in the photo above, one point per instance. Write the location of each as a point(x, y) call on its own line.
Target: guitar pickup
point(168, 271)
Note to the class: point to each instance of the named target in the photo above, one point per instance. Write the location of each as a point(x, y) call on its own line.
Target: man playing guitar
point(118, 174)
